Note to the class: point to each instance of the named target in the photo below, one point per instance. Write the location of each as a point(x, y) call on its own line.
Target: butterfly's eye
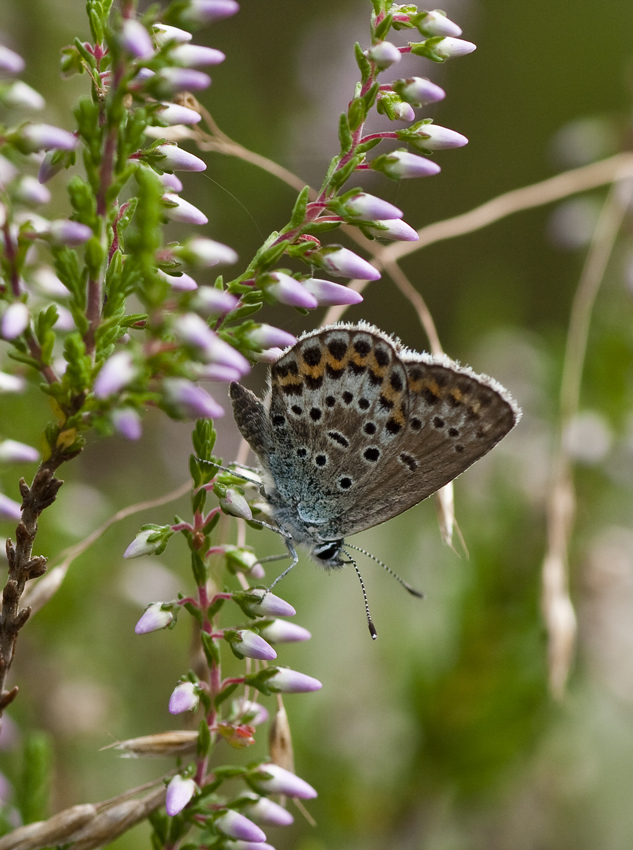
point(327, 551)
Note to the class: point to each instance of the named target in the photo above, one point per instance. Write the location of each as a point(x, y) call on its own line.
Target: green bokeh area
point(441, 735)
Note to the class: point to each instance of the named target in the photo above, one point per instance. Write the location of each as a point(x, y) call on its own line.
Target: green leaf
point(344, 134)
point(33, 792)
point(356, 113)
point(382, 30)
point(204, 740)
point(363, 62)
point(299, 209)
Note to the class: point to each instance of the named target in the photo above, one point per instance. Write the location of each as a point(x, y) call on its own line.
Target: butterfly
point(356, 429)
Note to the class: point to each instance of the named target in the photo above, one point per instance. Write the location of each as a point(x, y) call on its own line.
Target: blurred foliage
point(441, 735)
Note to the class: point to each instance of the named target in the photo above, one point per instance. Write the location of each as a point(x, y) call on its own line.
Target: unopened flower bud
point(179, 282)
point(419, 91)
point(267, 336)
point(8, 172)
point(179, 793)
point(446, 48)
point(288, 290)
point(65, 232)
point(395, 229)
point(330, 294)
point(37, 137)
point(10, 61)
point(173, 158)
point(11, 383)
point(209, 11)
point(202, 252)
point(271, 605)
point(251, 645)
point(280, 631)
point(190, 55)
point(281, 781)
point(21, 96)
point(141, 545)
point(292, 682)
point(345, 263)
point(9, 510)
point(184, 697)
point(210, 301)
point(400, 165)
point(431, 137)
point(127, 423)
point(265, 811)
point(170, 181)
point(234, 504)
point(383, 55)
point(177, 209)
point(250, 712)
point(15, 320)
point(13, 452)
point(116, 373)
point(173, 114)
point(163, 34)
point(154, 618)
point(369, 208)
point(29, 190)
point(235, 825)
point(190, 401)
point(136, 40)
point(436, 23)
point(173, 80)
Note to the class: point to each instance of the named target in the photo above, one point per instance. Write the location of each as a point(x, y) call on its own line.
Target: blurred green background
point(441, 735)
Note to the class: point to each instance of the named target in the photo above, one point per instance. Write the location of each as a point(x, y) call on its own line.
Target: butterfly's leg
point(270, 558)
point(295, 560)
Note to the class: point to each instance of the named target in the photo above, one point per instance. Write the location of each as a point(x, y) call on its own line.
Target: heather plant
point(108, 319)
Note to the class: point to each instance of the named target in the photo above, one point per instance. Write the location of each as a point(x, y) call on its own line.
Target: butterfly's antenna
point(256, 481)
point(372, 628)
point(404, 583)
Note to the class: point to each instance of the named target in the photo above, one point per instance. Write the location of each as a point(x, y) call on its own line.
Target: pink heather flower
point(10, 62)
point(250, 712)
point(269, 355)
point(48, 283)
point(9, 510)
point(268, 813)
point(127, 423)
point(15, 320)
point(136, 40)
point(370, 208)
point(292, 682)
point(189, 400)
point(288, 290)
point(170, 181)
point(400, 165)
point(267, 336)
point(173, 158)
point(115, 374)
point(210, 301)
point(8, 172)
point(184, 697)
point(282, 781)
point(40, 137)
point(396, 229)
point(180, 282)
point(234, 504)
point(436, 23)
point(177, 209)
point(254, 646)
point(154, 618)
point(435, 138)
point(174, 80)
point(330, 294)
point(419, 91)
point(209, 11)
point(142, 546)
point(13, 452)
point(21, 96)
point(215, 372)
point(280, 631)
point(65, 232)
point(202, 252)
point(179, 793)
point(345, 263)
point(383, 55)
point(190, 55)
point(271, 605)
point(192, 330)
point(173, 114)
point(29, 190)
point(235, 825)
point(403, 112)
point(163, 34)
point(11, 383)
point(447, 48)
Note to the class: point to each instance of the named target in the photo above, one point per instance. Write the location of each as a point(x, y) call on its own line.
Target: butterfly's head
point(328, 554)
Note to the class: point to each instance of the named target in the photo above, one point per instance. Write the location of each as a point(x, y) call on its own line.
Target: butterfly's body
point(357, 429)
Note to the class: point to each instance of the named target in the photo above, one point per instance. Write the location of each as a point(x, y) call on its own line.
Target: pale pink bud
point(192, 330)
point(270, 355)
point(189, 400)
point(383, 55)
point(175, 80)
point(268, 813)
point(419, 91)
point(65, 232)
point(216, 372)
point(141, 545)
point(136, 40)
point(292, 682)
point(21, 96)
point(173, 114)
point(288, 290)
point(435, 138)
point(11, 383)
point(253, 646)
point(48, 283)
point(8, 172)
point(202, 252)
point(163, 34)
point(436, 23)
point(370, 208)
point(179, 793)
point(127, 423)
point(184, 697)
point(280, 631)
point(9, 510)
point(13, 452)
point(210, 301)
point(179, 282)
point(154, 618)
point(173, 158)
point(346, 263)
point(177, 209)
point(209, 11)
point(250, 712)
point(191, 55)
point(403, 112)
point(46, 137)
point(267, 336)
point(170, 181)
point(234, 504)
point(235, 825)
point(402, 165)
point(282, 781)
point(397, 229)
point(330, 294)
point(115, 374)
point(447, 48)
point(11, 62)
point(271, 605)
point(15, 320)
point(29, 190)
